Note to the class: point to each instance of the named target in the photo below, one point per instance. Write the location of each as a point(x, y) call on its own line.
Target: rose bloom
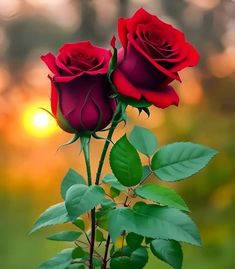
point(80, 94)
point(153, 53)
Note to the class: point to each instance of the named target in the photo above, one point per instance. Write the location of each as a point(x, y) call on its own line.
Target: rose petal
point(49, 60)
point(122, 31)
point(142, 17)
point(62, 66)
point(85, 101)
point(124, 87)
point(54, 97)
point(162, 97)
point(158, 66)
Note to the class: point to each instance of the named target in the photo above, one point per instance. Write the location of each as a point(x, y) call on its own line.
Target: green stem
point(105, 148)
point(105, 260)
point(86, 151)
point(99, 170)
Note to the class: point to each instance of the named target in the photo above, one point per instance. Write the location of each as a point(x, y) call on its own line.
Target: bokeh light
point(38, 122)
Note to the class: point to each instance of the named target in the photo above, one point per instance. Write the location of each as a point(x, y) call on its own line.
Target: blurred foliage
point(31, 171)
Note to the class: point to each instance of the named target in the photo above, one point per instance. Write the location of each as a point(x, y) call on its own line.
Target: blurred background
point(31, 169)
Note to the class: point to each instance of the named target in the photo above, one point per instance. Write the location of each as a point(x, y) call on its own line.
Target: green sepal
point(71, 141)
point(101, 137)
point(146, 110)
point(44, 109)
point(142, 103)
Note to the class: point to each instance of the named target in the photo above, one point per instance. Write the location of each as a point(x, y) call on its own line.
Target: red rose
point(153, 52)
point(80, 95)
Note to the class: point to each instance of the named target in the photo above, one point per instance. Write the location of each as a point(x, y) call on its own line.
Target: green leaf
point(107, 203)
point(82, 198)
point(125, 163)
point(65, 236)
point(79, 223)
point(56, 214)
point(112, 181)
point(112, 250)
point(60, 261)
point(122, 262)
point(79, 253)
point(70, 179)
point(99, 236)
point(153, 221)
point(76, 266)
point(146, 172)
point(134, 240)
point(114, 192)
point(123, 251)
point(102, 216)
point(162, 195)
point(148, 240)
point(139, 258)
point(97, 262)
point(180, 160)
point(143, 140)
point(168, 251)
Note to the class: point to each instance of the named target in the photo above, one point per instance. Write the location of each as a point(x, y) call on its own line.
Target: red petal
point(54, 97)
point(49, 60)
point(113, 42)
point(162, 97)
point(124, 87)
point(158, 66)
point(122, 31)
point(143, 17)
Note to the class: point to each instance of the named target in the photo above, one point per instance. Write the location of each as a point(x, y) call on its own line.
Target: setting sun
point(38, 122)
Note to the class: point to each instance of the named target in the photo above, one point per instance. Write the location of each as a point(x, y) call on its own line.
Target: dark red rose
point(153, 52)
point(80, 94)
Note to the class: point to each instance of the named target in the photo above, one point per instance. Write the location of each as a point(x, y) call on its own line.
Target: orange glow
point(223, 64)
point(205, 4)
point(38, 122)
point(191, 89)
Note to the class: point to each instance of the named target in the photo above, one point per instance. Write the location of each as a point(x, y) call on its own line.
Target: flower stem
point(114, 124)
point(104, 151)
point(86, 151)
point(105, 260)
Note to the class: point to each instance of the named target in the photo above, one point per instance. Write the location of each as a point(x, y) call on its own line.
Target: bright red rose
point(153, 52)
point(80, 94)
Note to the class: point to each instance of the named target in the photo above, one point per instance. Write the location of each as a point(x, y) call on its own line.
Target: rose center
point(82, 61)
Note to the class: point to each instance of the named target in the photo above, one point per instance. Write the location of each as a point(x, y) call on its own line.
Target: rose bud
point(152, 54)
point(80, 94)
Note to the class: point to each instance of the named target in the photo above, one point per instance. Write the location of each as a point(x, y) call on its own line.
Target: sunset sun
point(37, 122)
